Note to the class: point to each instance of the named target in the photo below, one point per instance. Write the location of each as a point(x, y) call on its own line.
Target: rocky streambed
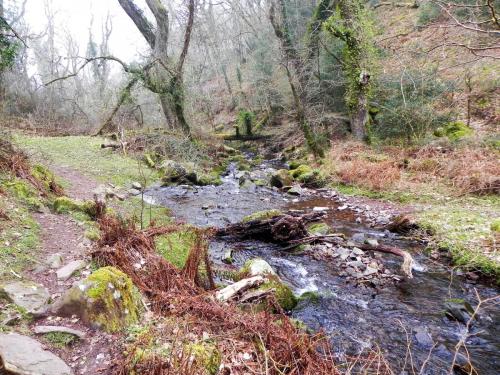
point(359, 298)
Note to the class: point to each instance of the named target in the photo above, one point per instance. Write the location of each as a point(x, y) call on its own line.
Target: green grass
point(175, 247)
point(464, 228)
point(19, 234)
point(85, 155)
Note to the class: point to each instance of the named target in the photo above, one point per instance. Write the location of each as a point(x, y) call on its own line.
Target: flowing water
point(405, 320)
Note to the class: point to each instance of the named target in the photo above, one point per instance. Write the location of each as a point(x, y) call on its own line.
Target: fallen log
point(408, 261)
point(239, 287)
point(281, 228)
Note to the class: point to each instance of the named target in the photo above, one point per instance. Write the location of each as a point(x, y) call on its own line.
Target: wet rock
point(25, 356)
point(106, 299)
point(371, 242)
point(55, 260)
point(357, 264)
point(295, 190)
point(320, 209)
point(255, 267)
point(69, 269)
point(359, 237)
point(370, 271)
point(458, 310)
point(41, 330)
point(357, 251)
point(28, 295)
point(134, 192)
point(423, 338)
point(343, 253)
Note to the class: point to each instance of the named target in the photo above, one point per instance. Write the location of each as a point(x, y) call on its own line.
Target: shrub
point(428, 13)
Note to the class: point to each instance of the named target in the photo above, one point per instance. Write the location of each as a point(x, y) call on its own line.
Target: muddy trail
point(405, 318)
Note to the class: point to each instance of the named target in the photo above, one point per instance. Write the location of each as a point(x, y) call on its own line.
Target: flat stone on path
point(69, 269)
point(22, 355)
point(41, 330)
point(30, 296)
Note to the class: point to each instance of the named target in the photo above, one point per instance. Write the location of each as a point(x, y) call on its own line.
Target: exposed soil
point(62, 234)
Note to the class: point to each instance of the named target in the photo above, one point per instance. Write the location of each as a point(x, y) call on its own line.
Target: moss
point(149, 159)
point(92, 234)
point(60, 339)
point(205, 354)
point(301, 170)
point(283, 293)
point(495, 226)
point(43, 175)
point(64, 205)
point(116, 299)
point(294, 164)
point(212, 178)
point(175, 247)
point(457, 130)
point(310, 297)
point(24, 192)
point(319, 228)
point(261, 215)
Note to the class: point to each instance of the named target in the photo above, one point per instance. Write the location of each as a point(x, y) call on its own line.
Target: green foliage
point(454, 131)
point(8, 48)
point(60, 339)
point(495, 226)
point(407, 106)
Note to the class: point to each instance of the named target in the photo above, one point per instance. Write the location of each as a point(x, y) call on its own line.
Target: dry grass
point(464, 169)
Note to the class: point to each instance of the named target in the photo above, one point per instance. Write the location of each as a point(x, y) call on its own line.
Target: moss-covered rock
point(281, 178)
point(262, 215)
point(319, 228)
point(106, 299)
point(301, 170)
point(63, 205)
point(294, 164)
point(43, 175)
point(283, 293)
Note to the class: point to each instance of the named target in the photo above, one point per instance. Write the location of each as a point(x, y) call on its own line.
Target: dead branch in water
point(281, 228)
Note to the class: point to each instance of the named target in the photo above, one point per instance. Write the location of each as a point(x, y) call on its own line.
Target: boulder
point(69, 269)
point(42, 330)
point(261, 215)
point(281, 178)
point(295, 190)
point(459, 310)
point(55, 260)
point(28, 295)
point(172, 171)
point(106, 299)
point(319, 228)
point(25, 356)
point(255, 267)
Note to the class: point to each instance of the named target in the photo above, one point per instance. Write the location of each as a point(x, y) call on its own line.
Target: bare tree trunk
point(360, 115)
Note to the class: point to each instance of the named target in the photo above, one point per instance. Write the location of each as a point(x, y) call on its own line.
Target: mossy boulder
point(172, 171)
point(281, 178)
point(319, 228)
point(261, 215)
point(308, 176)
point(43, 175)
point(294, 164)
point(107, 299)
point(301, 170)
point(63, 205)
point(283, 293)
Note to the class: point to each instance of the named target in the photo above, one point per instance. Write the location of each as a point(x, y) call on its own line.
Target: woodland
point(271, 187)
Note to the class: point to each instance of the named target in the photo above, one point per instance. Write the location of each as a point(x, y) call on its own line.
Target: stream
point(394, 317)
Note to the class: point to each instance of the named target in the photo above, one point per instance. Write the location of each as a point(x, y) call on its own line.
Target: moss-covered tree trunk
point(350, 24)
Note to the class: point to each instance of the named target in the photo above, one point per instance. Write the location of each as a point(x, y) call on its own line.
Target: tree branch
point(142, 23)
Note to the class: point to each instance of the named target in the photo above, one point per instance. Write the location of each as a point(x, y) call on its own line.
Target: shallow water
point(406, 314)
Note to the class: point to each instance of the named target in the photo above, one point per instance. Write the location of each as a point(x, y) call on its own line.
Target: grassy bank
point(450, 188)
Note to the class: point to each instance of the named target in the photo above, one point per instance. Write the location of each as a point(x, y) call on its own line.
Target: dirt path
point(64, 236)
